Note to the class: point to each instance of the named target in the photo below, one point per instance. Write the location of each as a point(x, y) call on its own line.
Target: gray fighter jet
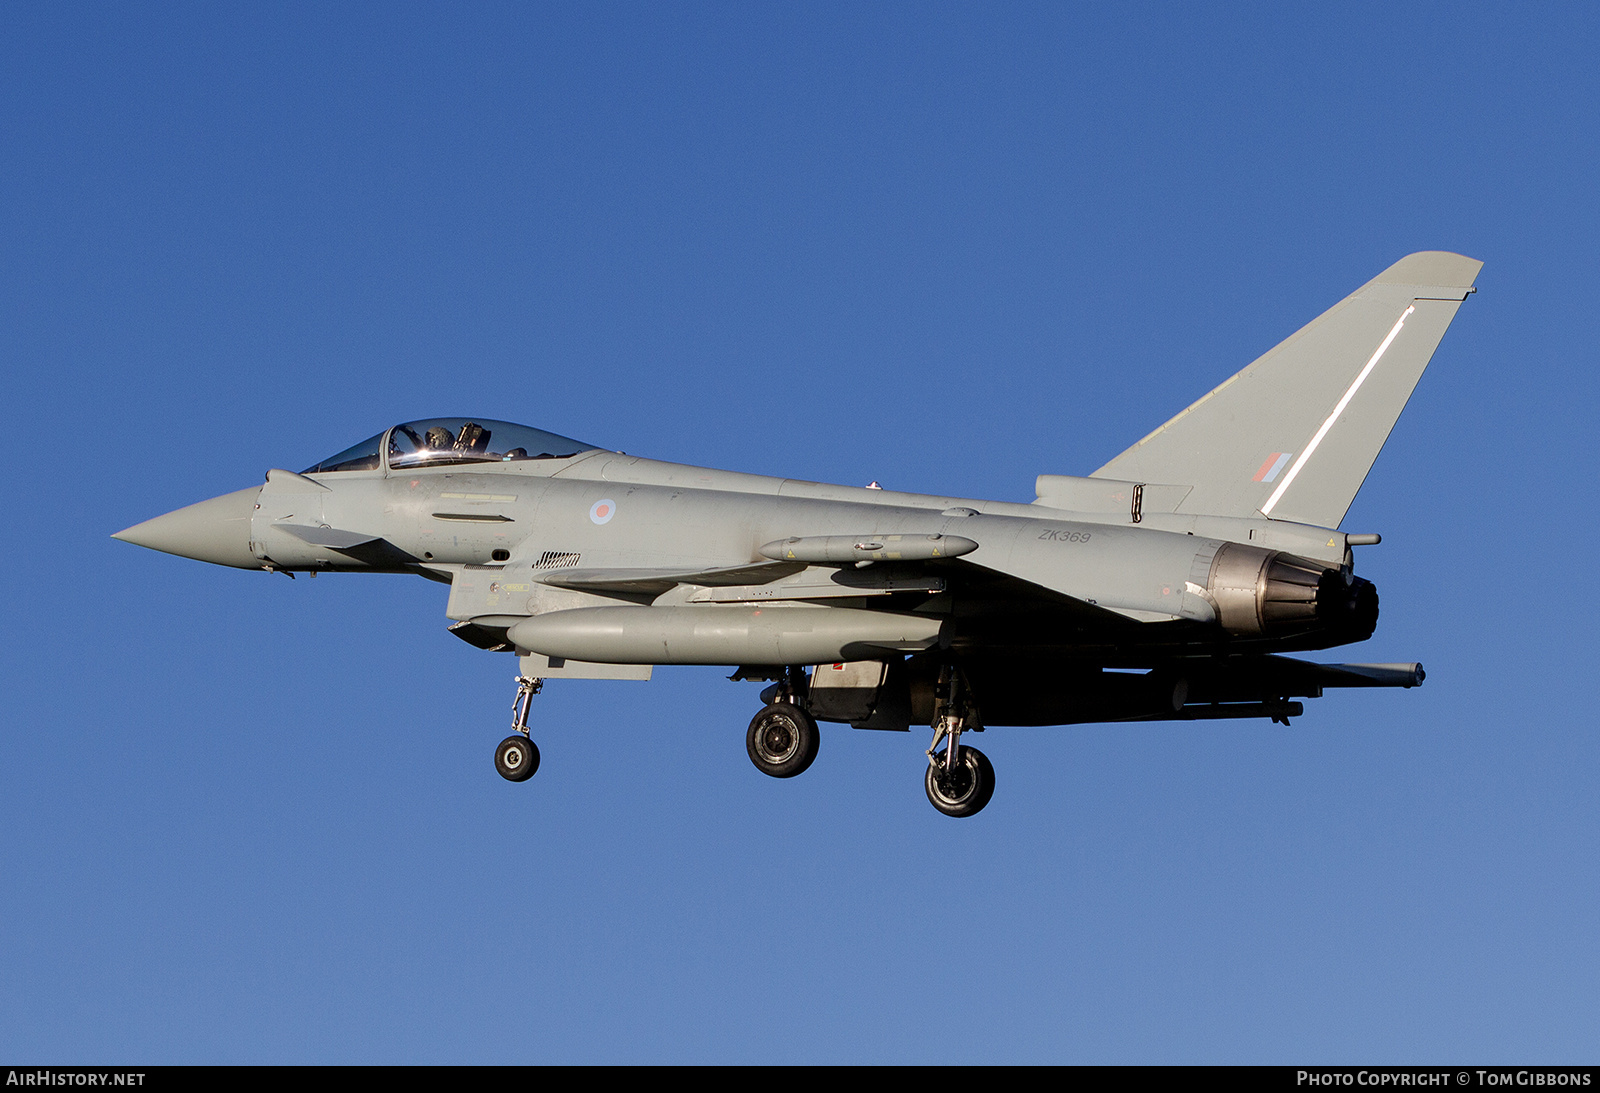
point(1165, 586)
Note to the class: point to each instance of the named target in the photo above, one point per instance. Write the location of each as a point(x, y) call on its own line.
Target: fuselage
point(604, 510)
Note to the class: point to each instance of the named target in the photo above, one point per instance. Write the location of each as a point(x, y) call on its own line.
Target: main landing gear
point(517, 757)
point(782, 740)
point(964, 790)
point(960, 780)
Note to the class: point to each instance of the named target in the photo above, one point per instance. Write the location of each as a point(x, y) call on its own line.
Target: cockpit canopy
point(441, 441)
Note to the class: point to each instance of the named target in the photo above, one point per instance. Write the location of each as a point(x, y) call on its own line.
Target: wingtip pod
point(1432, 267)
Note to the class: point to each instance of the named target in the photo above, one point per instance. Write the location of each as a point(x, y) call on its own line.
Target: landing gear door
point(847, 691)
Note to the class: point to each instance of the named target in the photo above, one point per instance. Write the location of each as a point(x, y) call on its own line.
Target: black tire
point(782, 740)
point(517, 758)
point(965, 790)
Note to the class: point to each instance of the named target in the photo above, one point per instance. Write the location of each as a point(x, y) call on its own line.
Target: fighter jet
point(1166, 586)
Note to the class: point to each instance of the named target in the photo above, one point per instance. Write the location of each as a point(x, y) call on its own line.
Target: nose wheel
point(517, 757)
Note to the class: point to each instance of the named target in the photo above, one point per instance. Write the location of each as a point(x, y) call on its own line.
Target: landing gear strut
point(960, 780)
point(782, 740)
point(517, 757)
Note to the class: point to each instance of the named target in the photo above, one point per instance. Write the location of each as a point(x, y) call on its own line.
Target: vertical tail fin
point(1294, 434)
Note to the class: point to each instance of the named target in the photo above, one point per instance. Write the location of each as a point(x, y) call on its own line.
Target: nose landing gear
point(517, 757)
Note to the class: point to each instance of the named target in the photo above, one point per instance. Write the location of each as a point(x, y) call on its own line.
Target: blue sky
point(947, 247)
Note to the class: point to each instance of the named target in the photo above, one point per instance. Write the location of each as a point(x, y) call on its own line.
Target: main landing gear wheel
point(516, 758)
point(966, 789)
point(782, 740)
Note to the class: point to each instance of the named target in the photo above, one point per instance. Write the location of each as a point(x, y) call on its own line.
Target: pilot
point(517, 453)
point(440, 439)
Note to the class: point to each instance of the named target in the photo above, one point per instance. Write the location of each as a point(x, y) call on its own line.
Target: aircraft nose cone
point(216, 531)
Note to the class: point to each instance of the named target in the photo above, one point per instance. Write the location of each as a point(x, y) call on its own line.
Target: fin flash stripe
point(1266, 510)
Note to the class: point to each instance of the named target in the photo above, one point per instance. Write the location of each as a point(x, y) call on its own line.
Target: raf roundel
point(603, 510)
